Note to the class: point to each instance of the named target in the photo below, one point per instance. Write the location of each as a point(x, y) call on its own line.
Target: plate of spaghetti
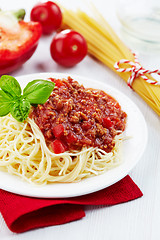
point(86, 137)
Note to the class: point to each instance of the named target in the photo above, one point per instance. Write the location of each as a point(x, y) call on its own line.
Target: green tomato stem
point(20, 14)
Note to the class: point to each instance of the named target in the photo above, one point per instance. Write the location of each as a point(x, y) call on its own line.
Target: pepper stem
point(20, 14)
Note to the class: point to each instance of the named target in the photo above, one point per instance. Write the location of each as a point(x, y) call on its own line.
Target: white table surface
point(138, 219)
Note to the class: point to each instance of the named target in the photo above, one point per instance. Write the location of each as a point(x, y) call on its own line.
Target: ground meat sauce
point(76, 117)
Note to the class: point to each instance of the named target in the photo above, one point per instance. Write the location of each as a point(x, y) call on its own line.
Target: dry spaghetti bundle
point(104, 44)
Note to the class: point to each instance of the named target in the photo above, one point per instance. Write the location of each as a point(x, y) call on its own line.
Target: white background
point(138, 219)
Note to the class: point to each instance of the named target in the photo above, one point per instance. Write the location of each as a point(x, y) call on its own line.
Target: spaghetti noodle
point(23, 152)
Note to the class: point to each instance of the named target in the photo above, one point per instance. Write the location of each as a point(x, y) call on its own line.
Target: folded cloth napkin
point(24, 213)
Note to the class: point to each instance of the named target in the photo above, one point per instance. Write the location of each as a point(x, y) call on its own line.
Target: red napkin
point(24, 213)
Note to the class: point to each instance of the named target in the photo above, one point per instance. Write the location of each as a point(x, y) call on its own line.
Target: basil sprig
point(20, 109)
point(13, 101)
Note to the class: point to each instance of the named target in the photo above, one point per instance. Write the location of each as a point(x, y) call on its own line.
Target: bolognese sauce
point(76, 117)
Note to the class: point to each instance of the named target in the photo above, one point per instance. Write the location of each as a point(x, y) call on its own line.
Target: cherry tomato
point(48, 14)
point(68, 48)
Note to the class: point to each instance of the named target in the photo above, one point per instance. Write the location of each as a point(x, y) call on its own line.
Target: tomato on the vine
point(68, 48)
point(48, 14)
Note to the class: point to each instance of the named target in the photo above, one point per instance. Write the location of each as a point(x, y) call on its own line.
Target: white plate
point(132, 149)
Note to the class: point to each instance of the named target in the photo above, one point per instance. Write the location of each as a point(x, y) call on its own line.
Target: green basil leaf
point(10, 86)
point(20, 109)
point(38, 91)
point(4, 97)
point(5, 103)
point(5, 108)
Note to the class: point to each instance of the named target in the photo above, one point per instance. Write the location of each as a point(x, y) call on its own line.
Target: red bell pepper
point(17, 47)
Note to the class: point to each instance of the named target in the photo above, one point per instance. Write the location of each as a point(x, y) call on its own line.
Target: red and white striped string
point(136, 70)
